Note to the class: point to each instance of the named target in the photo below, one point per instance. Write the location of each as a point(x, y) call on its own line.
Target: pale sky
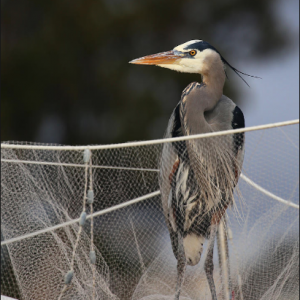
point(275, 97)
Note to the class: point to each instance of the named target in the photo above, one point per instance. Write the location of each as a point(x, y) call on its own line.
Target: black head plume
point(237, 71)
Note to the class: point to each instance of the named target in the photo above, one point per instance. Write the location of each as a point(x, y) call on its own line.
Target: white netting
point(42, 188)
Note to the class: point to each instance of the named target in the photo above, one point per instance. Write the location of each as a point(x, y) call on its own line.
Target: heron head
point(195, 56)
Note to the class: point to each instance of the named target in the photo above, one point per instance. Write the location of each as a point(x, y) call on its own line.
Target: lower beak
point(162, 58)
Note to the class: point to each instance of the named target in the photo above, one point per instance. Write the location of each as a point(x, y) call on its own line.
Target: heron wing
point(168, 161)
point(216, 161)
point(225, 116)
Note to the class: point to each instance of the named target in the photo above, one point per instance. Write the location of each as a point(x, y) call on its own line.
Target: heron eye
point(193, 52)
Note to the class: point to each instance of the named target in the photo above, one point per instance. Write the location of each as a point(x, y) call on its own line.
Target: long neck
point(213, 76)
point(200, 98)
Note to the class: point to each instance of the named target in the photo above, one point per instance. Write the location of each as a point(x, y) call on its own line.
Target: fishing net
point(87, 223)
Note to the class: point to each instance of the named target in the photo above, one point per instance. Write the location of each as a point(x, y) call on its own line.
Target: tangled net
point(87, 223)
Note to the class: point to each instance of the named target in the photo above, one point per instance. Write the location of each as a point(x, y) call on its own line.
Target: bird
point(197, 177)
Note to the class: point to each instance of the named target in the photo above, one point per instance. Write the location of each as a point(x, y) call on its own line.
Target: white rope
point(150, 142)
point(7, 298)
point(248, 180)
point(136, 200)
point(266, 192)
point(99, 213)
point(73, 165)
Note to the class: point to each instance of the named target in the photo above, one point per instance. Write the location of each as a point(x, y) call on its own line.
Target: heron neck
point(214, 80)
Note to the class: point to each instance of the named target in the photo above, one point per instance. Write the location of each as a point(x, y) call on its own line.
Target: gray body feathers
point(197, 177)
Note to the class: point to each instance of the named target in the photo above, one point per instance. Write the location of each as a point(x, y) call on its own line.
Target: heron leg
point(209, 264)
point(181, 266)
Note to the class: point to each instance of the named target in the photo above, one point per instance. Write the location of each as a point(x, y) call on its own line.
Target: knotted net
point(123, 249)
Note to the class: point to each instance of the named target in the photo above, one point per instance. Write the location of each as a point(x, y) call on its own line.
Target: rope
point(99, 213)
point(73, 165)
point(150, 142)
point(134, 201)
point(248, 180)
point(266, 192)
point(132, 144)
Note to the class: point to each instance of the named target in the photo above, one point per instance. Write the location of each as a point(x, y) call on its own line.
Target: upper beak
point(168, 57)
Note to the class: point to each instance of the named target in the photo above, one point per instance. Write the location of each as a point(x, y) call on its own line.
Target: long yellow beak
point(162, 58)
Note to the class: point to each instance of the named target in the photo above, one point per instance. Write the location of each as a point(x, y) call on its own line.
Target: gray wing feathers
point(211, 156)
point(168, 158)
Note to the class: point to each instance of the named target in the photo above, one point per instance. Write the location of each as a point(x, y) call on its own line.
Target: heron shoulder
point(225, 115)
point(192, 86)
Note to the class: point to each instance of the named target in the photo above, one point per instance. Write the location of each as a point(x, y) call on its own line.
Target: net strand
point(87, 158)
point(92, 231)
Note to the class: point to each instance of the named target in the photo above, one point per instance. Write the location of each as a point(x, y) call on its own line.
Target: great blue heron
point(197, 177)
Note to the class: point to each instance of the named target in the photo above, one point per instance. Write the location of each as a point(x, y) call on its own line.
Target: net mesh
point(42, 188)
